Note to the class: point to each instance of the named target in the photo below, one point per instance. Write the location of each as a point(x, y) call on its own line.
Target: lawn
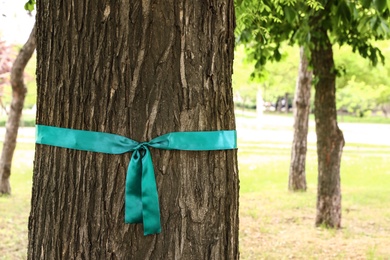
point(14, 209)
point(274, 223)
point(277, 224)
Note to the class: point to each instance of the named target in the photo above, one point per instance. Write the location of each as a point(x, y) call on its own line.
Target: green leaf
point(238, 2)
point(366, 3)
point(30, 5)
point(277, 55)
point(290, 13)
point(380, 5)
point(344, 12)
point(315, 5)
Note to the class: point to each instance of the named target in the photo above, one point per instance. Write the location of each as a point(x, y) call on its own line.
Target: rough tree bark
point(330, 140)
point(297, 175)
point(139, 69)
point(18, 95)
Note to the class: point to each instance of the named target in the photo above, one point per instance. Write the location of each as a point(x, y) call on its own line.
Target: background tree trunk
point(297, 176)
point(18, 95)
point(139, 69)
point(330, 140)
point(286, 103)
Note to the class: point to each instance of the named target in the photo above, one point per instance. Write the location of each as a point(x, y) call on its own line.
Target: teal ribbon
point(141, 197)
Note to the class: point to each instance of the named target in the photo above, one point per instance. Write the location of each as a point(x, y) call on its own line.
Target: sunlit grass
point(278, 224)
point(15, 208)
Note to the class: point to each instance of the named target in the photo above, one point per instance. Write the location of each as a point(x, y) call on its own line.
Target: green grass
point(14, 209)
point(277, 224)
point(367, 119)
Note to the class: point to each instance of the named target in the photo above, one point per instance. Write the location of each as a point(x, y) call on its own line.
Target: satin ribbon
point(141, 197)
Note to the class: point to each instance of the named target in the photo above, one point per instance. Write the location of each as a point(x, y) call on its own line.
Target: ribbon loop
point(133, 192)
point(141, 197)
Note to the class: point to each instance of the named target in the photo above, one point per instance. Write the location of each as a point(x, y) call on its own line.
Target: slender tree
point(139, 69)
point(18, 95)
point(297, 175)
point(317, 25)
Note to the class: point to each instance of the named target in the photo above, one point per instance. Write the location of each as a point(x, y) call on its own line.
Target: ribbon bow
point(141, 197)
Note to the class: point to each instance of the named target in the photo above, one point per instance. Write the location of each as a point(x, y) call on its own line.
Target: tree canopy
point(263, 25)
point(356, 73)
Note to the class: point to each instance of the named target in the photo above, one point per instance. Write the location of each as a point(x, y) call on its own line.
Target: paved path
point(25, 134)
point(280, 129)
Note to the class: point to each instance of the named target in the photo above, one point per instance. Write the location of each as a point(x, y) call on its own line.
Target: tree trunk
point(330, 140)
point(138, 69)
point(297, 176)
point(286, 103)
point(18, 94)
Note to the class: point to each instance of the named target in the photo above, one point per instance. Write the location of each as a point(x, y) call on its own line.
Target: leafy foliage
point(277, 78)
point(355, 98)
point(264, 24)
point(371, 83)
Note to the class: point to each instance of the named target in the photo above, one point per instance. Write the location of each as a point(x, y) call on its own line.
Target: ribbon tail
point(150, 204)
point(133, 192)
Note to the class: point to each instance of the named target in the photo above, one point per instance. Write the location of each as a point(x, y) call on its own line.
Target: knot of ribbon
point(141, 196)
